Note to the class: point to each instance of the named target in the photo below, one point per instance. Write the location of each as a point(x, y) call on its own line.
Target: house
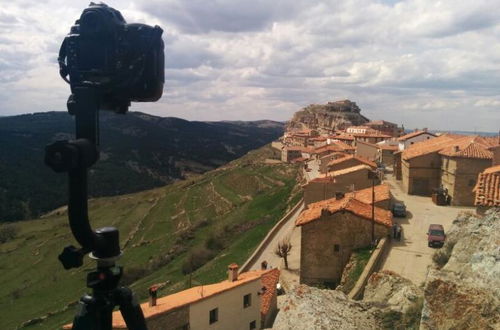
point(386, 154)
point(370, 137)
point(487, 189)
point(332, 148)
point(317, 141)
point(244, 301)
point(289, 153)
point(324, 160)
point(382, 192)
point(338, 182)
point(410, 139)
point(385, 127)
point(349, 161)
point(448, 161)
point(346, 138)
point(330, 231)
point(300, 138)
point(367, 150)
point(461, 164)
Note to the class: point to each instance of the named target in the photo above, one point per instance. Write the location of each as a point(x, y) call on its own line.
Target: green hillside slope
point(210, 221)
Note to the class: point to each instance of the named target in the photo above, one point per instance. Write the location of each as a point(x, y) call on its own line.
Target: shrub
point(8, 232)
point(196, 259)
point(132, 274)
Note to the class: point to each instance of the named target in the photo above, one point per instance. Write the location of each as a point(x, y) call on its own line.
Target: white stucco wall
point(232, 315)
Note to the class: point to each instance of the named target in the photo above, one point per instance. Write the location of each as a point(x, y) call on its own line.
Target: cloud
point(423, 63)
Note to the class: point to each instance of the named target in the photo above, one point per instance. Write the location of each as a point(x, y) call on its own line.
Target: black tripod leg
point(130, 309)
point(93, 314)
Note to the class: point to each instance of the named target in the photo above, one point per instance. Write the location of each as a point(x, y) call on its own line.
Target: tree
point(283, 250)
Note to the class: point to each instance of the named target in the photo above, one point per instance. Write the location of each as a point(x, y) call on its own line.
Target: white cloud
point(417, 62)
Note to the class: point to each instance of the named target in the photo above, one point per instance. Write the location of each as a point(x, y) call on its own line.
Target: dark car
point(399, 210)
point(436, 236)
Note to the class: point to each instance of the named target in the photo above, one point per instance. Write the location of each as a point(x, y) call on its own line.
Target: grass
point(360, 258)
point(242, 200)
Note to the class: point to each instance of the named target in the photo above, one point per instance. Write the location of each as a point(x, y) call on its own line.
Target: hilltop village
point(371, 191)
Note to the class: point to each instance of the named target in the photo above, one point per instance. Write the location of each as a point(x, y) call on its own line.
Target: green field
point(217, 218)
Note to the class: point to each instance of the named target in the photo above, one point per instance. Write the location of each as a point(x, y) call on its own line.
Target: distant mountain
point(138, 151)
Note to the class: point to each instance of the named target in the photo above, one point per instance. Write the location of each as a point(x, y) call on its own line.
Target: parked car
point(399, 209)
point(435, 235)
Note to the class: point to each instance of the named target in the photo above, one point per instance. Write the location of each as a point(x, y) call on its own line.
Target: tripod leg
point(130, 309)
point(93, 314)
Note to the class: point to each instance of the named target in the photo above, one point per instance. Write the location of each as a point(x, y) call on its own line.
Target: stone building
point(386, 154)
point(290, 153)
point(460, 166)
point(366, 150)
point(324, 160)
point(330, 231)
point(410, 139)
point(448, 161)
point(348, 161)
point(385, 127)
point(342, 181)
point(487, 189)
point(244, 301)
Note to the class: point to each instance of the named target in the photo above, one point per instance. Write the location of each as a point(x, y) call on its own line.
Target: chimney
point(425, 129)
point(456, 148)
point(153, 290)
point(232, 272)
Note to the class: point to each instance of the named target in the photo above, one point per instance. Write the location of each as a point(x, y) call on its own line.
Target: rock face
point(328, 117)
point(311, 308)
point(392, 290)
point(465, 292)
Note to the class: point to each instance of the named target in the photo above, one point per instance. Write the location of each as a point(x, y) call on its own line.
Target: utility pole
point(373, 176)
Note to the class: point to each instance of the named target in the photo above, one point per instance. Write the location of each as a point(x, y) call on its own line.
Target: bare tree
point(283, 250)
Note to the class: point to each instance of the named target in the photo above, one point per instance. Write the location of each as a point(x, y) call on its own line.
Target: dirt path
point(411, 256)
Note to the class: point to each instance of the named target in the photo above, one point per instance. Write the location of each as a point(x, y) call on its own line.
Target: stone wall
point(327, 244)
point(365, 150)
point(466, 174)
point(421, 174)
point(175, 319)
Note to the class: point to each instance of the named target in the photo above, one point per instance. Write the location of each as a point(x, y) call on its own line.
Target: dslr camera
point(123, 62)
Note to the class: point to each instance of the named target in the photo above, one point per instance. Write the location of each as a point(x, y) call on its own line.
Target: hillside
point(327, 117)
point(213, 220)
point(138, 152)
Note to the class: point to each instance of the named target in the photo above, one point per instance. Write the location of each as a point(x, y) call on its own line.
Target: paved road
point(284, 233)
point(411, 257)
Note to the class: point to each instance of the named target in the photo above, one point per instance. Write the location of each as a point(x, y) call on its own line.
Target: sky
point(421, 63)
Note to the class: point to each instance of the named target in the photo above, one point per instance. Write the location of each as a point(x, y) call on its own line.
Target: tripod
point(75, 157)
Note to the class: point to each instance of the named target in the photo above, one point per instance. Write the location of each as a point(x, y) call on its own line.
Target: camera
point(123, 62)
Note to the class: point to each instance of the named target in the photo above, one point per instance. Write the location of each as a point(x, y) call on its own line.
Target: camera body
point(123, 62)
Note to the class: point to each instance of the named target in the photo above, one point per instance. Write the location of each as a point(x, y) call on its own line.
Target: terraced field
point(185, 232)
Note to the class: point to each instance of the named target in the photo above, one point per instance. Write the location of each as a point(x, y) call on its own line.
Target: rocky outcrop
point(307, 307)
point(389, 289)
point(327, 117)
point(462, 291)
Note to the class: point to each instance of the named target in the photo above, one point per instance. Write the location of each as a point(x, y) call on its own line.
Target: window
point(411, 142)
point(336, 248)
point(472, 182)
point(247, 300)
point(214, 315)
point(253, 325)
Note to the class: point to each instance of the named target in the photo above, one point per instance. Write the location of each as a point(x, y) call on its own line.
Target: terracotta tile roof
point(347, 137)
point(337, 146)
point(487, 188)
point(189, 296)
point(343, 145)
point(339, 154)
point(349, 204)
point(269, 280)
point(299, 160)
point(382, 193)
point(344, 159)
point(429, 146)
point(472, 150)
point(413, 134)
point(318, 138)
point(367, 143)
